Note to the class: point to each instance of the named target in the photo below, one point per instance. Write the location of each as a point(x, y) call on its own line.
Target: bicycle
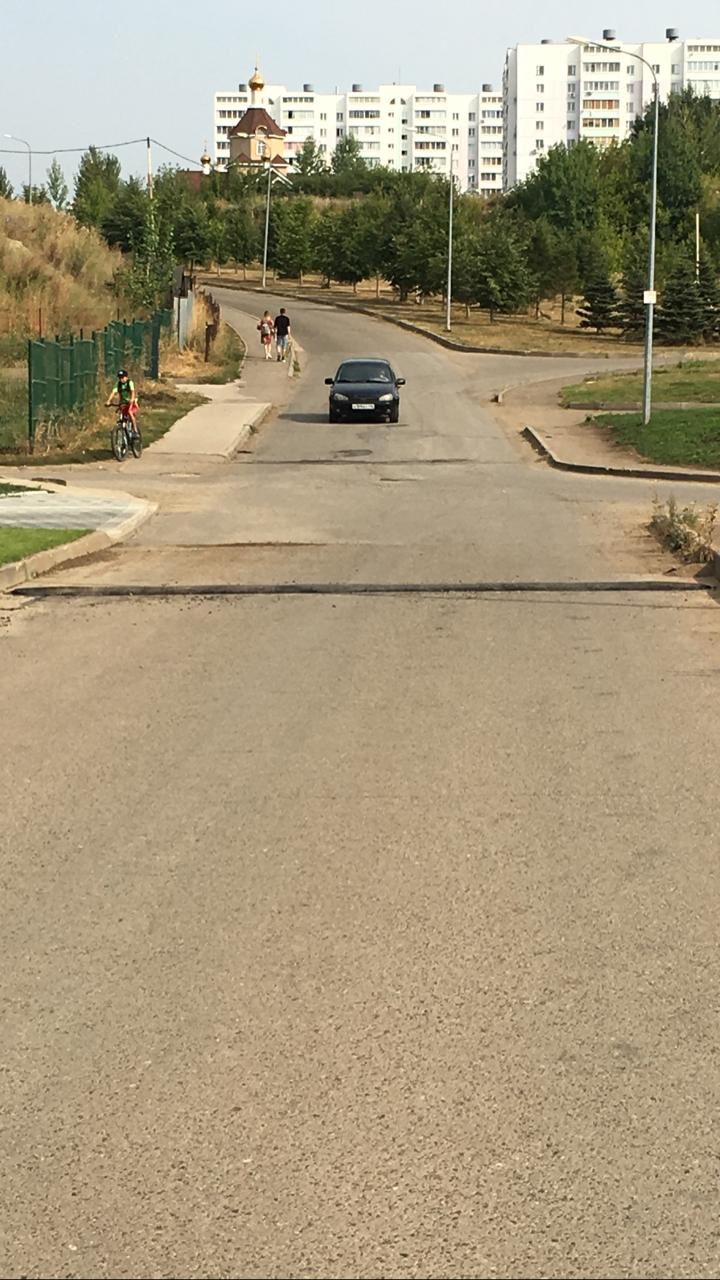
point(122, 437)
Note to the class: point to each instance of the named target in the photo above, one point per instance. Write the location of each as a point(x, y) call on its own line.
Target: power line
point(111, 146)
point(62, 151)
point(179, 154)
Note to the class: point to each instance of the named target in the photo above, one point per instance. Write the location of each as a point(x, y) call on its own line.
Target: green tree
point(565, 188)
point(191, 233)
point(96, 186)
point(291, 247)
point(325, 243)
point(552, 259)
point(504, 278)
point(241, 236)
point(6, 190)
point(39, 195)
point(150, 276)
point(310, 160)
point(122, 224)
point(348, 157)
point(57, 187)
point(601, 306)
point(680, 164)
point(681, 315)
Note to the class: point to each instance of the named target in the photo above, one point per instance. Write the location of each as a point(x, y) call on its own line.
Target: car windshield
point(364, 371)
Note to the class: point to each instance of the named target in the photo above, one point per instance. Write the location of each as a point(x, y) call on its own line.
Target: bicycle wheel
point(118, 442)
point(136, 443)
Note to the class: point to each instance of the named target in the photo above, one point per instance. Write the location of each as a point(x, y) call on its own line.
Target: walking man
point(282, 333)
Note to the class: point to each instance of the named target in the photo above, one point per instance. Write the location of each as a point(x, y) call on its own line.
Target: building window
point(656, 68)
point(539, 71)
point(572, 106)
point(539, 124)
point(540, 88)
point(471, 115)
point(572, 69)
point(339, 115)
point(539, 106)
point(630, 108)
point(339, 132)
point(456, 133)
point(539, 145)
point(471, 133)
point(676, 68)
point(456, 115)
point(323, 115)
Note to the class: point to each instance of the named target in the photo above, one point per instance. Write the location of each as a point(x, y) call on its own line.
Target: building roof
point(256, 118)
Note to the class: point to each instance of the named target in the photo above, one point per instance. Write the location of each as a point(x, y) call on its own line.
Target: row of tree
point(577, 226)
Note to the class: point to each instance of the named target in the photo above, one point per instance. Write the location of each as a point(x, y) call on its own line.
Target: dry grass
point(54, 275)
point(226, 354)
point(687, 531)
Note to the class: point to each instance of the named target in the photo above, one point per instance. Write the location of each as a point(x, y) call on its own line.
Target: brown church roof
point(256, 118)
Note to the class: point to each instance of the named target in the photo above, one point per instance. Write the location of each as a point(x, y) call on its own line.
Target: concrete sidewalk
point(217, 429)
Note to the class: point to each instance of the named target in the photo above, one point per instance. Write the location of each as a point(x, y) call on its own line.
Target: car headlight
point(387, 396)
point(338, 395)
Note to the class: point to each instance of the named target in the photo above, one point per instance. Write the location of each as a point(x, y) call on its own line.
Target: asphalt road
point(363, 936)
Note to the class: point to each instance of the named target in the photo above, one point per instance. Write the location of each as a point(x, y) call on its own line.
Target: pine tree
point(6, 190)
point(681, 315)
point(601, 309)
point(710, 294)
point(634, 284)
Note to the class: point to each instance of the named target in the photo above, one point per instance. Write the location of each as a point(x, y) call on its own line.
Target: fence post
point(31, 414)
point(155, 346)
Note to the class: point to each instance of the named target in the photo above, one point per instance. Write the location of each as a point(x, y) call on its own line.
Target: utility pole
point(150, 180)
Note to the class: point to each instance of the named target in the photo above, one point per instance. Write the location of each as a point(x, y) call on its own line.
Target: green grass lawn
point(683, 437)
point(16, 543)
point(694, 380)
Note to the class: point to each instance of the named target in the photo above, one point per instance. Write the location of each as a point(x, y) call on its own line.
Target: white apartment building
point(557, 91)
point(398, 126)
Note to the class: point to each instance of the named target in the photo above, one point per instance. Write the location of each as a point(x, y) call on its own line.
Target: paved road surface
point(350, 936)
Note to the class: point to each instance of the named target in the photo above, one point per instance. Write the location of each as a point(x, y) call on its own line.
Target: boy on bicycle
point(124, 389)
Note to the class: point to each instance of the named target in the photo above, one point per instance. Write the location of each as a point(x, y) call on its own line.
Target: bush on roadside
point(687, 531)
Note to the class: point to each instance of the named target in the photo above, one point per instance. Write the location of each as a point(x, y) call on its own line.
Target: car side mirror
point(329, 382)
point(400, 382)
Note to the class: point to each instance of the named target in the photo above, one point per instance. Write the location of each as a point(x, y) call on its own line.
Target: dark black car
point(365, 387)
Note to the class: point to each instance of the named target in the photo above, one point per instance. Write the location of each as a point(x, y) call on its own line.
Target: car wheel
point(395, 413)
point(333, 416)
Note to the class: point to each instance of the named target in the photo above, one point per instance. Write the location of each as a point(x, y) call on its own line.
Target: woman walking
point(266, 329)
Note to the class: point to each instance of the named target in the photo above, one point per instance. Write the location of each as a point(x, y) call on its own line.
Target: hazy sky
point(85, 71)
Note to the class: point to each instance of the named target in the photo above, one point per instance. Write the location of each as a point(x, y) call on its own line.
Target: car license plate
point(363, 406)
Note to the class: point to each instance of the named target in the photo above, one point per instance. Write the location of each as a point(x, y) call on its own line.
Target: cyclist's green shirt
point(126, 391)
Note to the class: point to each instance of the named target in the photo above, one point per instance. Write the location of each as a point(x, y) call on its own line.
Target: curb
point(12, 575)
point(449, 343)
point(631, 473)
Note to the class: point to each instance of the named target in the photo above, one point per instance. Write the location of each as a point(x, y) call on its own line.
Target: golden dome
point(256, 81)
point(205, 159)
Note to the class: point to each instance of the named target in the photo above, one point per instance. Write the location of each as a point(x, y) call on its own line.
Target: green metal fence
point(64, 373)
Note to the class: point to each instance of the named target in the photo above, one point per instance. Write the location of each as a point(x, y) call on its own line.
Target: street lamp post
point(448, 315)
point(29, 149)
point(650, 297)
